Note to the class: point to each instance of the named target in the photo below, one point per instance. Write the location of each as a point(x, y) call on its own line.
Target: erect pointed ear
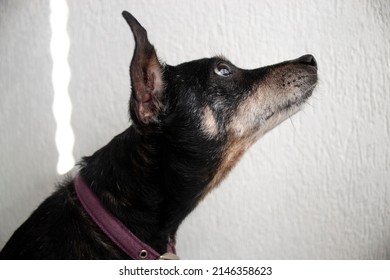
point(146, 75)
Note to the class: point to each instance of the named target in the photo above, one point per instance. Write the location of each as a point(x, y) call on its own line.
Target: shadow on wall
point(28, 151)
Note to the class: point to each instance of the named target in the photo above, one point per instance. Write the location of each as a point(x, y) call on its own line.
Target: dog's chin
point(291, 105)
point(285, 110)
point(295, 104)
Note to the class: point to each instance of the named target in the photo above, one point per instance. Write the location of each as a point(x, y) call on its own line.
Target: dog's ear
point(146, 75)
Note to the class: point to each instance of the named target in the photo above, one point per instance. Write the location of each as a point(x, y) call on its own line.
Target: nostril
point(306, 59)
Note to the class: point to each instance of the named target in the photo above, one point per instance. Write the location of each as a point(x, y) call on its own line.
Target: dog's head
point(209, 108)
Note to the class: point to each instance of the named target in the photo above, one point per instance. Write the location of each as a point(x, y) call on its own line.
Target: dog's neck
point(146, 184)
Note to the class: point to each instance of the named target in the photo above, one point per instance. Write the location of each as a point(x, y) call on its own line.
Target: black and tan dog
point(191, 123)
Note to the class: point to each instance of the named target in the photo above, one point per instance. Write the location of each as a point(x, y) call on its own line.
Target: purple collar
point(114, 228)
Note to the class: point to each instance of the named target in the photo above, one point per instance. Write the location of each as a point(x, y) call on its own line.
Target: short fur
point(191, 123)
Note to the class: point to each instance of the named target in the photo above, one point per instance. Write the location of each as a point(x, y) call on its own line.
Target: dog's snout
point(306, 59)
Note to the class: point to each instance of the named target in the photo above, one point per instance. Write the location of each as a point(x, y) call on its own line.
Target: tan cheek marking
point(241, 137)
point(209, 124)
point(247, 116)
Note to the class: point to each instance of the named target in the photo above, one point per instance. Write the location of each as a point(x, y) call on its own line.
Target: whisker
point(308, 103)
point(292, 123)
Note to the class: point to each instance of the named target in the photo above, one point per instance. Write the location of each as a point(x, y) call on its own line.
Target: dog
point(191, 123)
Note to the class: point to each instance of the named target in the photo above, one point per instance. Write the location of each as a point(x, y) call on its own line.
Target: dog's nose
point(306, 59)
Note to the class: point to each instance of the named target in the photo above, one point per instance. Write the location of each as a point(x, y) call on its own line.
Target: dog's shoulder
point(59, 229)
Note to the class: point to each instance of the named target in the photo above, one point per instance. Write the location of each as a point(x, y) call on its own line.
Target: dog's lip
point(311, 82)
point(312, 72)
point(267, 117)
point(299, 101)
point(311, 68)
point(291, 103)
point(315, 68)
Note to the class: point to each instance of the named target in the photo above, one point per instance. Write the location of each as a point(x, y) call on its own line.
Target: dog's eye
point(223, 70)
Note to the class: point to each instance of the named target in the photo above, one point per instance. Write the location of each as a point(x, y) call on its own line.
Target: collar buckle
point(169, 256)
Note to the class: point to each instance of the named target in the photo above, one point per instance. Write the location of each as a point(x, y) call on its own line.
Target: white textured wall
point(315, 187)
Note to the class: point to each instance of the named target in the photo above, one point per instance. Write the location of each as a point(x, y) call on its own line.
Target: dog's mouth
point(298, 101)
point(293, 94)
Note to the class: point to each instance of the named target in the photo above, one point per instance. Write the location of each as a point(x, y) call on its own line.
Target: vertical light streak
point(62, 107)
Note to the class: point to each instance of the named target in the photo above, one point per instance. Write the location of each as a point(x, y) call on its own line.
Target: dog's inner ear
point(146, 74)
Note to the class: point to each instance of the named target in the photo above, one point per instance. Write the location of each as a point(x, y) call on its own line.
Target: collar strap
point(115, 229)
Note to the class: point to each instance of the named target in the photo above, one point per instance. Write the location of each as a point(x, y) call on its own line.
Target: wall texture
point(317, 187)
